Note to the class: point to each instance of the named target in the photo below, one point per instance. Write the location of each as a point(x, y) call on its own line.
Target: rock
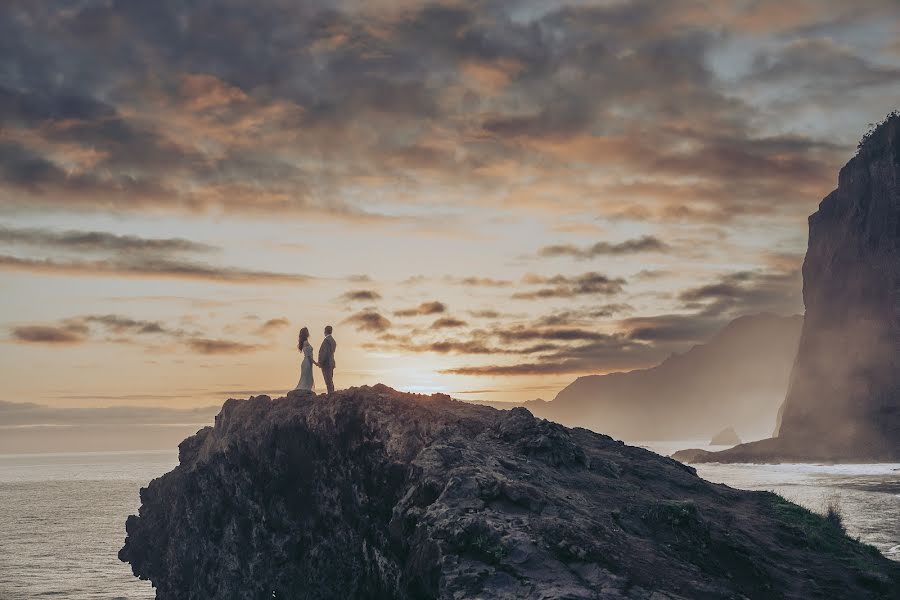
point(846, 380)
point(726, 437)
point(372, 493)
point(843, 403)
point(692, 455)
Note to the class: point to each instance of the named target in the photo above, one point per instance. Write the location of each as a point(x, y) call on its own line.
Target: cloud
point(634, 246)
point(604, 353)
point(86, 241)
point(426, 308)
point(572, 317)
point(489, 282)
point(214, 346)
point(551, 114)
point(273, 325)
point(473, 347)
point(113, 255)
point(125, 329)
point(368, 320)
point(519, 334)
point(648, 274)
point(448, 323)
point(559, 104)
point(78, 329)
point(147, 268)
point(476, 343)
point(744, 292)
point(574, 341)
point(119, 324)
point(360, 296)
point(671, 328)
point(45, 334)
point(569, 287)
point(486, 314)
point(823, 64)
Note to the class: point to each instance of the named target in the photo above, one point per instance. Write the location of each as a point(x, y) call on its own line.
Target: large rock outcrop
point(845, 386)
point(371, 493)
point(843, 403)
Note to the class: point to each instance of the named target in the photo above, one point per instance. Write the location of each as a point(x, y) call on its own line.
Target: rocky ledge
point(372, 493)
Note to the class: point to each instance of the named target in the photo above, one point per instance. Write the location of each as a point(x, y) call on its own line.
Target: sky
point(485, 199)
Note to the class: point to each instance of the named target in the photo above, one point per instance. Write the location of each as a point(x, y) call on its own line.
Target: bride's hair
point(304, 335)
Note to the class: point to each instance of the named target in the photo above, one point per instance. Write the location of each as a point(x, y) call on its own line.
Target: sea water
point(62, 522)
point(62, 516)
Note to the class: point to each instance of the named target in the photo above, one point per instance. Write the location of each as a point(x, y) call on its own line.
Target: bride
point(306, 373)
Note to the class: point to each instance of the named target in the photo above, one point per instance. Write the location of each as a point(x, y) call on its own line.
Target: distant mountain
point(738, 378)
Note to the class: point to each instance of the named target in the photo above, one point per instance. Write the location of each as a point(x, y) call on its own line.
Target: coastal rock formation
point(846, 382)
point(371, 493)
point(726, 437)
point(843, 403)
point(739, 376)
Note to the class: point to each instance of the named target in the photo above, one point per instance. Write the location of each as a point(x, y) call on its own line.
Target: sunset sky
point(486, 199)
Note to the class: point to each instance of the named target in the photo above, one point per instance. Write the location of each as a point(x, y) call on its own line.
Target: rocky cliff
point(846, 381)
point(843, 403)
point(371, 493)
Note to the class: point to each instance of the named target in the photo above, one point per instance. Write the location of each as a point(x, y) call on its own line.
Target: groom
point(326, 359)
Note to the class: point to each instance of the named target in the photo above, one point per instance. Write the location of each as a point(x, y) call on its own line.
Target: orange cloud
point(491, 77)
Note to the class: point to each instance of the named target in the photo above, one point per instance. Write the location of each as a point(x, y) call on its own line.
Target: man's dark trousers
point(328, 376)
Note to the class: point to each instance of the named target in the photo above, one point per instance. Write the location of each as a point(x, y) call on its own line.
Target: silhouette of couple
point(325, 362)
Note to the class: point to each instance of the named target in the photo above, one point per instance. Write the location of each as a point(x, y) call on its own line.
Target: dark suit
point(326, 361)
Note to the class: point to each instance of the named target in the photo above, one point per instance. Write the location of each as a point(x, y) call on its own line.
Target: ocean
point(62, 516)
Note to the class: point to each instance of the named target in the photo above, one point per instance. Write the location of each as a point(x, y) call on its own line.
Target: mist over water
point(63, 515)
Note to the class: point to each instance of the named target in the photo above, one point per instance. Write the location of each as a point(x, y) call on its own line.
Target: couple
point(326, 360)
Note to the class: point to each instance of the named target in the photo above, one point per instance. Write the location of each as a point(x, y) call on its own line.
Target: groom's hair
point(328, 330)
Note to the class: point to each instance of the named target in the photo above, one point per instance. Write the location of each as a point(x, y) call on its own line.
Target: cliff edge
point(372, 493)
point(843, 402)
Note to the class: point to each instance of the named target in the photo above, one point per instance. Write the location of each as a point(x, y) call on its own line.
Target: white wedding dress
point(306, 372)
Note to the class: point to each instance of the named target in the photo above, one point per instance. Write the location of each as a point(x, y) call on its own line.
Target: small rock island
point(373, 493)
point(726, 437)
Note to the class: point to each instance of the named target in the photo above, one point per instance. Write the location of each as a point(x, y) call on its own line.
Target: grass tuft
point(834, 513)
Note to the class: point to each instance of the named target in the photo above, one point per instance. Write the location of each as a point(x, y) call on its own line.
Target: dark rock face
point(371, 493)
point(846, 381)
point(843, 403)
